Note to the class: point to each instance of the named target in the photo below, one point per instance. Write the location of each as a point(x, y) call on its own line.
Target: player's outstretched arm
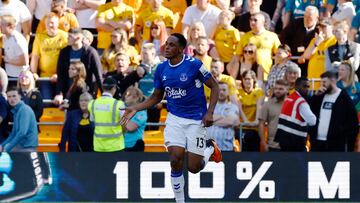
point(155, 98)
point(214, 95)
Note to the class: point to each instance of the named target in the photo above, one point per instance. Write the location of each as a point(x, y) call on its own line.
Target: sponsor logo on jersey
point(175, 93)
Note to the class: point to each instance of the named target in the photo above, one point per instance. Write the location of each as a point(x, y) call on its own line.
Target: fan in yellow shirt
point(202, 48)
point(266, 42)
point(155, 12)
point(67, 20)
point(119, 43)
point(47, 46)
point(251, 99)
point(226, 37)
point(250, 96)
point(217, 67)
point(111, 16)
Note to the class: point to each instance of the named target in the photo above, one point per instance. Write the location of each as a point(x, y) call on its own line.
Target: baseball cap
point(109, 82)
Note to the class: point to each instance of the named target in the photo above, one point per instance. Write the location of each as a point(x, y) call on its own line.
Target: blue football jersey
point(183, 86)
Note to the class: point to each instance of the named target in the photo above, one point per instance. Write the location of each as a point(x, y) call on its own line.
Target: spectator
point(226, 37)
point(29, 94)
point(86, 12)
point(343, 49)
point(226, 117)
point(124, 75)
point(20, 13)
point(158, 36)
point(38, 9)
point(15, 47)
point(45, 54)
point(88, 39)
point(242, 22)
point(77, 73)
point(24, 134)
point(136, 126)
point(217, 68)
point(3, 81)
point(295, 116)
point(203, 12)
point(346, 81)
point(111, 16)
point(76, 51)
point(78, 130)
point(105, 113)
point(248, 61)
point(67, 20)
point(266, 42)
point(296, 9)
point(196, 30)
point(282, 62)
point(269, 116)
point(119, 42)
point(315, 52)
point(149, 61)
point(156, 11)
point(345, 11)
point(292, 73)
point(337, 126)
point(304, 29)
point(251, 99)
point(201, 49)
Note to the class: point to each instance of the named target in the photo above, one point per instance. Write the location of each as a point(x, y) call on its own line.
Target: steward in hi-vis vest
point(105, 112)
point(294, 119)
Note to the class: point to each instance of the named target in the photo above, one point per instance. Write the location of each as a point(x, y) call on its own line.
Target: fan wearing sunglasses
point(247, 62)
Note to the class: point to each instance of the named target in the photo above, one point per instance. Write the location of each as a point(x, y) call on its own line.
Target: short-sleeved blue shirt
point(183, 86)
point(139, 119)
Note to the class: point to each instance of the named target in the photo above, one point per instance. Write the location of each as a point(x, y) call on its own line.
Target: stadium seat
point(154, 141)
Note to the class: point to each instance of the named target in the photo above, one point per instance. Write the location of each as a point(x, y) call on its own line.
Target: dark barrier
point(146, 177)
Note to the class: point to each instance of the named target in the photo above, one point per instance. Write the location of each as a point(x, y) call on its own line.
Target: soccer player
point(181, 78)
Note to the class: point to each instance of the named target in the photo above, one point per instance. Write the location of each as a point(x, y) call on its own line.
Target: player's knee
point(194, 168)
point(176, 162)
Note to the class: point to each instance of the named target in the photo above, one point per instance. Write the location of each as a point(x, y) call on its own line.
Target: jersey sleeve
point(157, 78)
point(203, 73)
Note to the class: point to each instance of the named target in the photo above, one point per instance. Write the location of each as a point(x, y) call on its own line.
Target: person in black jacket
point(304, 29)
point(30, 95)
point(124, 76)
point(337, 126)
point(77, 73)
point(77, 51)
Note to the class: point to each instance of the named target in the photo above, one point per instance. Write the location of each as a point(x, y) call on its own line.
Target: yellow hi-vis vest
point(108, 134)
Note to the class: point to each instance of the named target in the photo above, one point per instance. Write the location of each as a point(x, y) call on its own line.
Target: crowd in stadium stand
point(259, 51)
